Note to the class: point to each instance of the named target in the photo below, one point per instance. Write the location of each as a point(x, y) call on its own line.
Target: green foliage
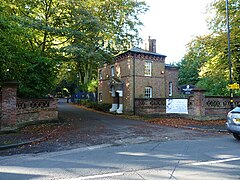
point(103, 107)
point(36, 80)
point(42, 38)
point(193, 61)
point(206, 62)
point(213, 85)
point(111, 26)
point(33, 71)
point(92, 86)
point(97, 106)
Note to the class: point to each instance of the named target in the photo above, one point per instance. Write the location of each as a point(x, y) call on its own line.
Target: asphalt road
point(83, 128)
point(111, 129)
point(204, 158)
point(117, 148)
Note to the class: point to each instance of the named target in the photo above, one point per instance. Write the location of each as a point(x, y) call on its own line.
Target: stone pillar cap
point(199, 89)
point(10, 84)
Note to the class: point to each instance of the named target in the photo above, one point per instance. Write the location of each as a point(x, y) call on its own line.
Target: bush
point(103, 107)
point(94, 105)
point(83, 102)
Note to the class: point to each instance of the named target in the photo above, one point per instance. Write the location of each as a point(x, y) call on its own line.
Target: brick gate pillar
point(199, 102)
point(9, 102)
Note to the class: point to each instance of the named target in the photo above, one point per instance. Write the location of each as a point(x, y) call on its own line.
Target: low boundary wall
point(200, 107)
point(36, 110)
point(15, 111)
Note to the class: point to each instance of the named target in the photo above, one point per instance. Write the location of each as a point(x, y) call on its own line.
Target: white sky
point(174, 23)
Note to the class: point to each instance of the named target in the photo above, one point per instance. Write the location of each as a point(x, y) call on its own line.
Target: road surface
point(204, 158)
point(117, 148)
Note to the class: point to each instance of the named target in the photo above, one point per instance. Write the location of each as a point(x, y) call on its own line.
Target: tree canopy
point(206, 62)
point(45, 42)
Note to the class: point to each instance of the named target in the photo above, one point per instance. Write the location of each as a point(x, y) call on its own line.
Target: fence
point(15, 111)
point(199, 106)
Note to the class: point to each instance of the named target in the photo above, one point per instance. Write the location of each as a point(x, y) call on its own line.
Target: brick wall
point(15, 111)
point(156, 81)
point(171, 75)
point(152, 107)
point(200, 107)
point(125, 65)
point(9, 99)
point(36, 110)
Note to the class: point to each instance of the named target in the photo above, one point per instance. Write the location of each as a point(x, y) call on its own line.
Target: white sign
point(179, 106)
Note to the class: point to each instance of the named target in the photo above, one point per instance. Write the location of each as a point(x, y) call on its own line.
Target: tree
point(79, 34)
point(32, 70)
point(218, 26)
point(191, 64)
point(114, 28)
point(207, 57)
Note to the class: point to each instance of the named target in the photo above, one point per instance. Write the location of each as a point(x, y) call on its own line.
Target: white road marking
point(215, 162)
point(99, 176)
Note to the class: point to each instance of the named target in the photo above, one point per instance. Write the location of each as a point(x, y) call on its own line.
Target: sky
point(174, 23)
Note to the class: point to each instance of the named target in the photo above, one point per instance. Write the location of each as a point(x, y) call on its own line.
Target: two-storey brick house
point(136, 73)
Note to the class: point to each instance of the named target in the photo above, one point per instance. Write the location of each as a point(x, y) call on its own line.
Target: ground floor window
point(148, 92)
point(100, 97)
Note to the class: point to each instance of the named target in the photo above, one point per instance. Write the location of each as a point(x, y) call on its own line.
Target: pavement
point(81, 127)
point(212, 128)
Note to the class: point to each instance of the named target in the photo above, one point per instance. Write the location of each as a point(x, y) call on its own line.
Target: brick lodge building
point(136, 73)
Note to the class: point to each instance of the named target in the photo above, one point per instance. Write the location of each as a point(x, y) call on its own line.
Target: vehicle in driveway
point(233, 122)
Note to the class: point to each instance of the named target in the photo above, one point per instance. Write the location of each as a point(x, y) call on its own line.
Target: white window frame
point(100, 74)
point(112, 71)
point(148, 92)
point(148, 68)
point(100, 97)
point(170, 89)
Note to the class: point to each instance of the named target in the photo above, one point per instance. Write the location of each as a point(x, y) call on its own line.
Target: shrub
point(103, 107)
point(94, 105)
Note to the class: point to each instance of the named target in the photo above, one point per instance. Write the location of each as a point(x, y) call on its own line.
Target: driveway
point(84, 128)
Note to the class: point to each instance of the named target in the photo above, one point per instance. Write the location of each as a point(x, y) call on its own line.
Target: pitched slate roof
point(171, 66)
point(139, 50)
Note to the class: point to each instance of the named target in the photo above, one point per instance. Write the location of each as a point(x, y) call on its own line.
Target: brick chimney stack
point(150, 45)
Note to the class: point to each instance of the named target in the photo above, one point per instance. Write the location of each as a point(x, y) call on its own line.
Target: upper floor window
point(170, 89)
point(148, 92)
point(100, 74)
point(112, 71)
point(148, 68)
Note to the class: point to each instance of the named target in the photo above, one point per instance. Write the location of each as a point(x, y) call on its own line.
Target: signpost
point(233, 86)
point(187, 89)
point(229, 57)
